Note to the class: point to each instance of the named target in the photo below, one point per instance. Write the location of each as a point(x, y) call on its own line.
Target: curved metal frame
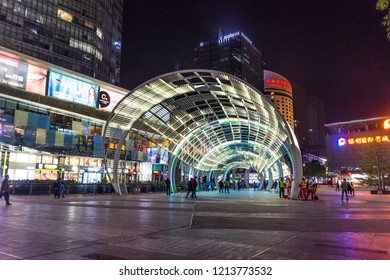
point(211, 120)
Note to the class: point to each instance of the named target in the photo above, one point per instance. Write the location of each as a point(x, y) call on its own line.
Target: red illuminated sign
point(278, 84)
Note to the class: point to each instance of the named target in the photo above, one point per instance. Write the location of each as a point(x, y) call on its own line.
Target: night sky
point(334, 49)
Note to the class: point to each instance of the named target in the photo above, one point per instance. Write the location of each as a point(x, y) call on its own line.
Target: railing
point(33, 188)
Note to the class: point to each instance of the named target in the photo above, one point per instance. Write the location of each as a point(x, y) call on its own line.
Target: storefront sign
point(108, 99)
point(46, 166)
point(363, 140)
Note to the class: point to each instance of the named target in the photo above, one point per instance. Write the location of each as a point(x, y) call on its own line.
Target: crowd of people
point(282, 186)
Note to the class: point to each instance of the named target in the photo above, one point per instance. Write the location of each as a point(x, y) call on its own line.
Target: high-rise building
point(316, 118)
point(309, 113)
point(83, 36)
point(233, 53)
point(301, 122)
point(279, 90)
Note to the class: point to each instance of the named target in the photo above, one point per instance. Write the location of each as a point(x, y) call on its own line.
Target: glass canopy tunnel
point(210, 122)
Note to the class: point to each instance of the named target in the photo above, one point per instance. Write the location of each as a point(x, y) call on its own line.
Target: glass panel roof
point(211, 119)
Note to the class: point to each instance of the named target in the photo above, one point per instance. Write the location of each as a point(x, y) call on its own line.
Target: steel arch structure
point(208, 120)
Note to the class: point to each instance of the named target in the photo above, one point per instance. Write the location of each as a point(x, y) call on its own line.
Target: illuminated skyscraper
point(279, 90)
point(83, 36)
point(233, 53)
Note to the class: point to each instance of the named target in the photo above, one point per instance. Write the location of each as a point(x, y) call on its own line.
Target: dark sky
point(334, 49)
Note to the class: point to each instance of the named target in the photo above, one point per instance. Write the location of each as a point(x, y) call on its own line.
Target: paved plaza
point(238, 226)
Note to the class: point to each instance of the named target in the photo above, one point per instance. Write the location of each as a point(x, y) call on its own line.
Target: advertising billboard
point(73, 90)
point(108, 99)
point(36, 79)
point(18, 74)
point(13, 72)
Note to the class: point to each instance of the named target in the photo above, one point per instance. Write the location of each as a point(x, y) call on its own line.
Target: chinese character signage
point(13, 72)
point(278, 84)
point(363, 140)
point(21, 75)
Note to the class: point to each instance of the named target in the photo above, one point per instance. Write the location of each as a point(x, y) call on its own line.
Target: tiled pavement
point(239, 226)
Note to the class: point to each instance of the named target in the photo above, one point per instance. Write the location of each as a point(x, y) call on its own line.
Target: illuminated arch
point(206, 119)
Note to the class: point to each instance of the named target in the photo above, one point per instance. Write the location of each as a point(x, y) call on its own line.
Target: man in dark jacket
point(56, 188)
point(168, 186)
point(5, 190)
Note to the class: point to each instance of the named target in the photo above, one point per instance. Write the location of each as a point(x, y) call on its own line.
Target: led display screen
point(13, 72)
point(73, 90)
point(18, 74)
point(36, 79)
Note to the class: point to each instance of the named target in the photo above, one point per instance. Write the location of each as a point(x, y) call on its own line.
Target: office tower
point(309, 114)
point(316, 118)
point(83, 36)
point(279, 90)
point(301, 122)
point(233, 53)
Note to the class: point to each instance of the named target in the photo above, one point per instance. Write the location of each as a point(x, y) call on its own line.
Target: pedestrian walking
point(192, 188)
point(220, 186)
point(195, 186)
point(62, 190)
point(168, 186)
point(338, 186)
point(344, 189)
point(226, 186)
point(351, 189)
point(281, 188)
point(239, 184)
point(4, 191)
point(302, 189)
point(288, 187)
point(56, 188)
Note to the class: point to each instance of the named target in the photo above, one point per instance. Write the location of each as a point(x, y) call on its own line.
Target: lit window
point(99, 33)
point(64, 15)
point(99, 55)
point(89, 24)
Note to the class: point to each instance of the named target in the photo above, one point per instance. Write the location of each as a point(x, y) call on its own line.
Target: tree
point(376, 164)
point(384, 5)
point(314, 169)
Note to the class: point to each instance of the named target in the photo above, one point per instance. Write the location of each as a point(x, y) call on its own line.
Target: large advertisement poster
point(18, 74)
point(108, 99)
point(13, 72)
point(70, 89)
point(36, 79)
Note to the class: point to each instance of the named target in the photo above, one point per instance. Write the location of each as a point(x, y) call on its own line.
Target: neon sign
point(363, 140)
point(279, 84)
point(226, 38)
point(386, 124)
point(341, 141)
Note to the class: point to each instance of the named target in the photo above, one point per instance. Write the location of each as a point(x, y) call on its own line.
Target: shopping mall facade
point(346, 142)
point(55, 122)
